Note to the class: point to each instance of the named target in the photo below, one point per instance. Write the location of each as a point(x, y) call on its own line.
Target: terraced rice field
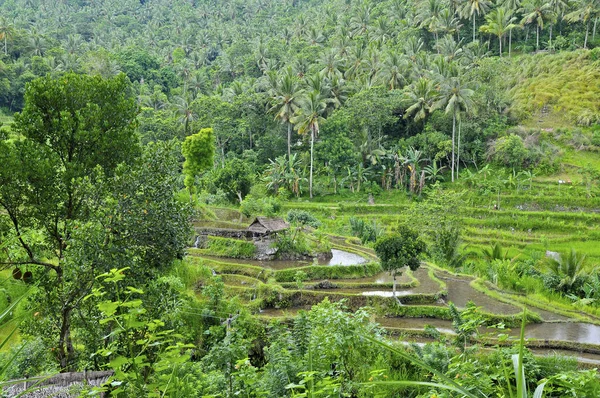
point(547, 216)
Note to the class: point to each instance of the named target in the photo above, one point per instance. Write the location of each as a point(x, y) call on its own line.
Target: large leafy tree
point(198, 150)
point(235, 179)
point(398, 250)
point(75, 130)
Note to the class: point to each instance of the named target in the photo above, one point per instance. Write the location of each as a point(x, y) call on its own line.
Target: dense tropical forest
point(335, 198)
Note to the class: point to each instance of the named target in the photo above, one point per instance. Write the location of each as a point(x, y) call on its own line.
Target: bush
point(303, 217)
point(227, 247)
point(292, 242)
point(252, 206)
point(367, 232)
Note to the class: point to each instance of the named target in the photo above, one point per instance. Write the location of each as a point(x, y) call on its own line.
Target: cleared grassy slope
point(566, 84)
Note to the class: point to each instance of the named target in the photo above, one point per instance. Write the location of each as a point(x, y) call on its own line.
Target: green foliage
point(567, 273)
point(198, 150)
point(510, 151)
point(253, 206)
point(329, 272)
point(235, 179)
point(143, 355)
point(294, 242)
point(303, 217)
point(400, 249)
point(367, 232)
point(227, 247)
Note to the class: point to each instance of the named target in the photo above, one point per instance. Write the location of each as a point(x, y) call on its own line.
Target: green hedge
point(329, 272)
point(227, 247)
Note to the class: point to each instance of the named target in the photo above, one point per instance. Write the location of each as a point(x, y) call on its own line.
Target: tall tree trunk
point(537, 38)
point(334, 184)
point(473, 26)
point(453, 140)
point(509, 41)
point(289, 141)
point(394, 287)
point(500, 42)
point(458, 149)
point(594, 29)
point(550, 41)
point(587, 29)
point(65, 346)
point(312, 145)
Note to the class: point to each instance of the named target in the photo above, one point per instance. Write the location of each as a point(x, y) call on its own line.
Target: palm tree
point(420, 95)
point(499, 21)
point(183, 107)
point(473, 7)
point(361, 21)
point(6, 30)
point(568, 267)
point(558, 9)
point(393, 70)
point(449, 23)
point(307, 119)
point(584, 11)
point(538, 11)
point(286, 99)
point(429, 16)
point(455, 97)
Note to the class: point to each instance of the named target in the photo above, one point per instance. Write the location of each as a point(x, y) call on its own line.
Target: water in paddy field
point(565, 331)
point(341, 257)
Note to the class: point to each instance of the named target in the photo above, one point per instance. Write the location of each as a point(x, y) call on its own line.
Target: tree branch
point(30, 262)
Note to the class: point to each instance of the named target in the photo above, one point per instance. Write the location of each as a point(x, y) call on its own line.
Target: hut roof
point(267, 225)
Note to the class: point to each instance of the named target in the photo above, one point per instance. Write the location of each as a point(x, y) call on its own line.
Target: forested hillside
point(447, 150)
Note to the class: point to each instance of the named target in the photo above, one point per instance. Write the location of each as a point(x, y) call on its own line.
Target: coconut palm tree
point(420, 95)
point(359, 23)
point(429, 16)
point(584, 11)
point(392, 73)
point(498, 22)
point(455, 97)
point(286, 96)
point(308, 118)
point(471, 8)
point(449, 23)
point(183, 106)
point(6, 30)
point(538, 12)
point(558, 9)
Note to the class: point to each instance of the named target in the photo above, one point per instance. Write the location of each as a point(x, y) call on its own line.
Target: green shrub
point(252, 206)
point(367, 232)
point(303, 217)
point(227, 247)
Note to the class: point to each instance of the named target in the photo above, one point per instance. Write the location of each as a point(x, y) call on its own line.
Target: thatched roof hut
point(266, 225)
